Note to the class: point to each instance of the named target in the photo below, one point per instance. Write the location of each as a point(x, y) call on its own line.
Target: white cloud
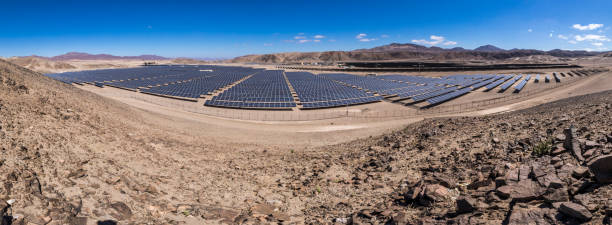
point(561, 36)
point(550, 35)
point(367, 39)
point(573, 42)
point(591, 26)
point(529, 30)
point(591, 37)
point(302, 41)
point(362, 37)
point(384, 36)
point(316, 40)
point(299, 37)
point(318, 36)
point(598, 44)
point(435, 40)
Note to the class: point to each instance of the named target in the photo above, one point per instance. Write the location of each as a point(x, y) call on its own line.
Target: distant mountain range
point(87, 56)
point(397, 51)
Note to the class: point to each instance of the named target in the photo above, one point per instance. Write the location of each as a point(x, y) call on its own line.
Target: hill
point(41, 64)
point(488, 48)
point(398, 52)
point(87, 56)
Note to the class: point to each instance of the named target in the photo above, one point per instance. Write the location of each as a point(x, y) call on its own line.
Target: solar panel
point(510, 83)
point(265, 89)
point(522, 84)
point(318, 92)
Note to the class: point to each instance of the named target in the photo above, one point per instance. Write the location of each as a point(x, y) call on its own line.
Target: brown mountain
point(87, 56)
point(397, 51)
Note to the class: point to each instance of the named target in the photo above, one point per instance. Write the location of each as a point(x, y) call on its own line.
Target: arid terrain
point(72, 156)
point(75, 61)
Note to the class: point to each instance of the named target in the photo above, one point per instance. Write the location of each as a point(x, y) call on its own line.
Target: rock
point(590, 145)
point(226, 215)
point(558, 150)
point(78, 173)
point(601, 167)
point(556, 195)
point(122, 211)
point(555, 160)
point(436, 192)
point(524, 171)
point(512, 176)
point(525, 190)
point(78, 221)
point(560, 137)
point(550, 181)
point(466, 204)
point(572, 143)
point(496, 140)
point(580, 172)
point(588, 153)
point(106, 222)
point(565, 172)
point(530, 216)
point(576, 211)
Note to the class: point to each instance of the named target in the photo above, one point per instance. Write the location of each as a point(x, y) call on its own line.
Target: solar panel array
point(248, 88)
point(267, 89)
point(318, 92)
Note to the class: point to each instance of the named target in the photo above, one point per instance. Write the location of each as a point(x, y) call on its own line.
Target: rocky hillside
point(396, 51)
point(57, 162)
point(546, 165)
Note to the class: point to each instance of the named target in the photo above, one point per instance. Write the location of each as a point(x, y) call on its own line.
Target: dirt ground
point(74, 156)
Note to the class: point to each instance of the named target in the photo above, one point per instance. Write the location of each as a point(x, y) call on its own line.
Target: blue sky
point(234, 28)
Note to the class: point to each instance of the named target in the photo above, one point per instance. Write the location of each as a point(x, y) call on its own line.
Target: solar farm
point(251, 88)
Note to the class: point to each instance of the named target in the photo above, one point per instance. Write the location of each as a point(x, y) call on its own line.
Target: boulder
point(466, 204)
point(556, 195)
point(576, 211)
point(580, 172)
point(571, 143)
point(601, 167)
point(550, 181)
point(436, 192)
point(525, 190)
point(122, 211)
point(530, 216)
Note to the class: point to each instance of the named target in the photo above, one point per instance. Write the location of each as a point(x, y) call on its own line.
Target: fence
point(340, 112)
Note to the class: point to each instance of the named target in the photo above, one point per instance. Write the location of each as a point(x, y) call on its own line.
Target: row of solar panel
point(251, 105)
point(327, 104)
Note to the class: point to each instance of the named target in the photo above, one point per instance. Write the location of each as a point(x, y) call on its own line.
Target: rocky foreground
point(551, 164)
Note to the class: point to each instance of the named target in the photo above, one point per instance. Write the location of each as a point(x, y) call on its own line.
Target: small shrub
point(543, 148)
